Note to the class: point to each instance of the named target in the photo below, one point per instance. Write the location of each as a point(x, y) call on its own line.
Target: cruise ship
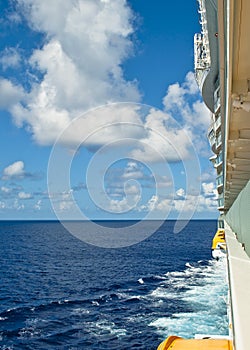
point(222, 71)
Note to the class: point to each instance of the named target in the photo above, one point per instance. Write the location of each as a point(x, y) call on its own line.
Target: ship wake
point(201, 293)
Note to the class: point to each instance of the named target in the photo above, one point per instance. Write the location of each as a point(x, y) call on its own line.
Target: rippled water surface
point(60, 293)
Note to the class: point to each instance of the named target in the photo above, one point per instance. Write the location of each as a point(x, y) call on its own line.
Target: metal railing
point(221, 202)
point(217, 123)
point(219, 159)
point(219, 180)
point(218, 140)
point(216, 100)
point(202, 59)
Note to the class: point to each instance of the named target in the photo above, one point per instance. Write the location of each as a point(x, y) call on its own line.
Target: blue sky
point(100, 115)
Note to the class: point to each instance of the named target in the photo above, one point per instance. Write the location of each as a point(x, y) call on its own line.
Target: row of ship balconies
point(215, 136)
point(202, 65)
point(215, 140)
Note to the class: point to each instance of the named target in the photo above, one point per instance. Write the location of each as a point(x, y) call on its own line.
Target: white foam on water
point(127, 296)
point(95, 303)
point(204, 294)
point(80, 311)
point(140, 280)
point(31, 329)
point(123, 295)
point(104, 327)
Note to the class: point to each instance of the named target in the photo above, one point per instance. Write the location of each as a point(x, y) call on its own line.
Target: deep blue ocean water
point(58, 292)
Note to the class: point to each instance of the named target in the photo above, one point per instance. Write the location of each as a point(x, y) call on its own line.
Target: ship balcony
point(219, 183)
point(219, 162)
point(212, 138)
point(213, 159)
point(201, 55)
point(201, 72)
point(220, 202)
point(217, 105)
point(217, 124)
point(217, 100)
point(218, 142)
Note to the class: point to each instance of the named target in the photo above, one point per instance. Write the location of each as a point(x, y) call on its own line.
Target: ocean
point(58, 292)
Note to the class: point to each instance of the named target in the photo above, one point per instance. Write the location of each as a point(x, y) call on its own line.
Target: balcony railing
point(201, 53)
point(216, 100)
point(217, 123)
point(202, 59)
point(218, 140)
point(221, 202)
point(219, 180)
point(219, 160)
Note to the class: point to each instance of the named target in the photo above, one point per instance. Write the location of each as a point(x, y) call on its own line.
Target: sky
point(101, 117)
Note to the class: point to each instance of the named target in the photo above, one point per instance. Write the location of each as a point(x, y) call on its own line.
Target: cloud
point(162, 181)
point(165, 139)
point(132, 171)
point(11, 191)
point(209, 189)
point(171, 135)
point(65, 205)
point(124, 205)
point(182, 202)
point(63, 201)
point(128, 180)
point(184, 101)
point(10, 58)
point(17, 205)
point(15, 170)
point(79, 187)
point(180, 192)
point(208, 176)
point(38, 205)
point(6, 189)
point(177, 93)
point(2, 205)
point(191, 204)
point(107, 125)
point(10, 94)
point(152, 202)
point(24, 195)
point(14, 17)
point(78, 67)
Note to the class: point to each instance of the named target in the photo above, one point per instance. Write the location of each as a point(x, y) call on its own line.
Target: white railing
point(220, 202)
point(216, 100)
point(219, 159)
point(218, 140)
point(219, 180)
point(202, 58)
point(217, 124)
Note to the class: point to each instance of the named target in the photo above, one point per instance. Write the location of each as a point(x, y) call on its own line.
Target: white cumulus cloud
point(10, 94)
point(209, 189)
point(184, 101)
point(24, 195)
point(5, 189)
point(80, 62)
point(180, 192)
point(14, 170)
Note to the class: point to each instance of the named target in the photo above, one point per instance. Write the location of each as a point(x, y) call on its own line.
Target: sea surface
point(57, 292)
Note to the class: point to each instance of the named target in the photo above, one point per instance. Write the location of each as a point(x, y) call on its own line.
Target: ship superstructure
point(222, 70)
